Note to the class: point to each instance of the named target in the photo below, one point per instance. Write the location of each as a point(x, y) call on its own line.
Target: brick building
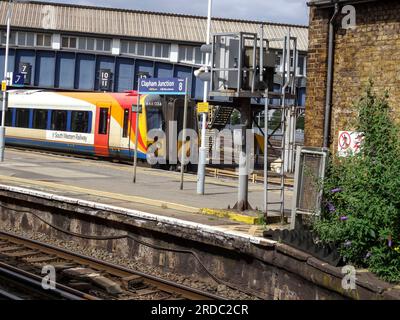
point(370, 50)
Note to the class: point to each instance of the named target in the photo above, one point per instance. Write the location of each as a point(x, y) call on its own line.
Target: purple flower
point(336, 190)
point(347, 243)
point(390, 241)
point(369, 254)
point(344, 218)
point(331, 207)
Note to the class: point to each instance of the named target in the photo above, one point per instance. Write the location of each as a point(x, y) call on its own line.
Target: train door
point(102, 129)
point(125, 134)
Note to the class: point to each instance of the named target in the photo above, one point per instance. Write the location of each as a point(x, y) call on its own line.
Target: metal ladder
point(287, 102)
point(221, 117)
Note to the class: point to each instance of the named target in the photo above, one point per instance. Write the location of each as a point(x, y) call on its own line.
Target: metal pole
point(266, 105)
point(184, 134)
point(136, 135)
point(201, 168)
point(4, 105)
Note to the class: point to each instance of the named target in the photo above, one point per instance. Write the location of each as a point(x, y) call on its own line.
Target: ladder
point(220, 117)
point(287, 102)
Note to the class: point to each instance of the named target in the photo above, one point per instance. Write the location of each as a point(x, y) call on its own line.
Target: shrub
point(361, 206)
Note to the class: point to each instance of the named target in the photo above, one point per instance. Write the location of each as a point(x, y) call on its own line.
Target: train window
point(59, 120)
point(22, 118)
point(9, 113)
point(39, 119)
point(103, 120)
point(80, 121)
point(154, 118)
point(126, 124)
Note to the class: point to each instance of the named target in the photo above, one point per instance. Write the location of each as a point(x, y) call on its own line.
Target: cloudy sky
point(284, 11)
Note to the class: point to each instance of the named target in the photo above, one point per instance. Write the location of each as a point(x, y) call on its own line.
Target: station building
point(369, 50)
point(70, 47)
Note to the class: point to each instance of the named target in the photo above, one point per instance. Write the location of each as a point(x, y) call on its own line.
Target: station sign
point(25, 69)
point(19, 79)
point(162, 86)
point(105, 77)
point(203, 107)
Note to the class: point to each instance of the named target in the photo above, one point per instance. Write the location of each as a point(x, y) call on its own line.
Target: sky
point(281, 11)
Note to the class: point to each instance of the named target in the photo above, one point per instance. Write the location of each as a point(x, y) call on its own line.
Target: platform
point(156, 191)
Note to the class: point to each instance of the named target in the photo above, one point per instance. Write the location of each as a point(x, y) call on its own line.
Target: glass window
point(80, 121)
point(30, 40)
point(47, 40)
point(154, 118)
point(124, 46)
point(22, 118)
point(182, 53)
point(107, 45)
point(132, 47)
point(72, 43)
point(39, 119)
point(82, 43)
point(140, 48)
point(21, 38)
point(197, 55)
point(301, 65)
point(9, 113)
point(59, 120)
point(189, 54)
point(90, 43)
point(165, 50)
point(126, 124)
point(103, 120)
point(13, 37)
point(65, 42)
point(99, 44)
point(158, 50)
point(40, 40)
point(149, 50)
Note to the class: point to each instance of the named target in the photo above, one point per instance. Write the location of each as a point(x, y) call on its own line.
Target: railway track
point(79, 277)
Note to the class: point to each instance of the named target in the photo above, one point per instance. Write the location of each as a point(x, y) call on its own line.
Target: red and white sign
point(349, 143)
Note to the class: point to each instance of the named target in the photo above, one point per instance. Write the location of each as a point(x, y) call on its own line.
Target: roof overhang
point(331, 3)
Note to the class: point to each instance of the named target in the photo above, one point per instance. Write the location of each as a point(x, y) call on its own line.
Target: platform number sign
point(105, 80)
point(25, 69)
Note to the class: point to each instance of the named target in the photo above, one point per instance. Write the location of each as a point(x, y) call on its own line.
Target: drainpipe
point(329, 81)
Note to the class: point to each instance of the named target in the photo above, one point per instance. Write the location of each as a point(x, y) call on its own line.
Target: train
point(95, 124)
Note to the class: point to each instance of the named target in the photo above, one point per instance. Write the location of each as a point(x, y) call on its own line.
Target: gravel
point(212, 286)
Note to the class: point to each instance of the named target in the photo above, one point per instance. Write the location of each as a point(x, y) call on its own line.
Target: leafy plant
point(361, 211)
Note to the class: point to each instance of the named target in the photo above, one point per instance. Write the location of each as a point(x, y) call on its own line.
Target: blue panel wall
point(143, 66)
point(124, 74)
point(11, 61)
point(65, 70)
point(27, 56)
point(85, 71)
point(104, 62)
point(163, 70)
point(45, 67)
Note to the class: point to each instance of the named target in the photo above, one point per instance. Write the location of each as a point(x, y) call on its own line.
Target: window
point(124, 46)
point(190, 54)
point(9, 113)
point(30, 39)
point(59, 120)
point(126, 124)
point(302, 65)
point(43, 40)
point(103, 120)
point(99, 45)
point(158, 50)
point(149, 50)
point(107, 45)
point(80, 121)
point(22, 118)
point(90, 44)
point(39, 119)
point(154, 118)
point(21, 38)
point(140, 48)
point(69, 42)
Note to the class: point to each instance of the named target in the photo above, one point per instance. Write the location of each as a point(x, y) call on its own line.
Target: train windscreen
point(154, 118)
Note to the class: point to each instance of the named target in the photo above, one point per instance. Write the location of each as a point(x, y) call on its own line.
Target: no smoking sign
point(349, 142)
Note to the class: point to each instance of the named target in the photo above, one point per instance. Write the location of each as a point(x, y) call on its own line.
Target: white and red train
point(96, 124)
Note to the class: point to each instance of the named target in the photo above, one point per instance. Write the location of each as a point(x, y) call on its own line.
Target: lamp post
point(201, 171)
point(4, 104)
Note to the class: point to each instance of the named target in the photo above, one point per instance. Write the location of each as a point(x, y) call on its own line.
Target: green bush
point(361, 206)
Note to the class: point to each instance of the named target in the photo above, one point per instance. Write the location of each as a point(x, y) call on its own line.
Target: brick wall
point(370, 51)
